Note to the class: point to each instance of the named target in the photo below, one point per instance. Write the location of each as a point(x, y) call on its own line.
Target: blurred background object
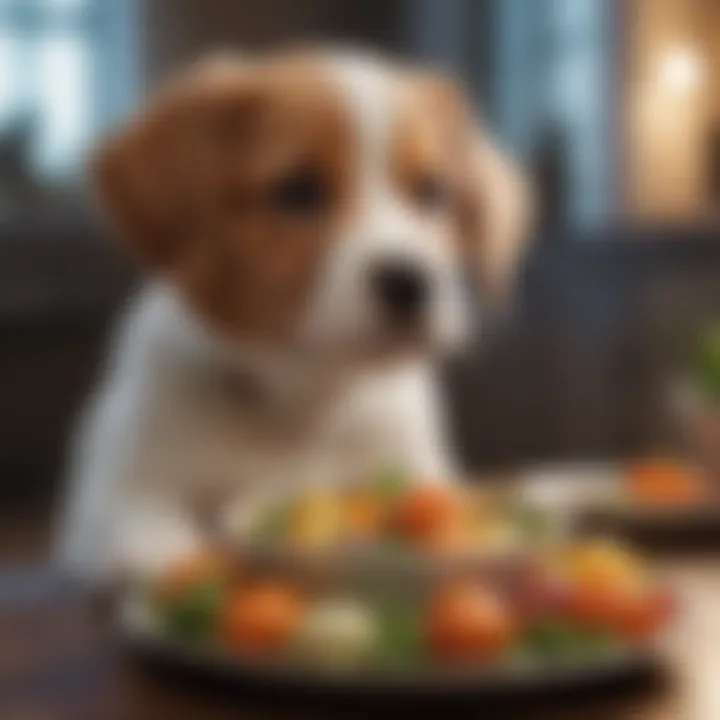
point(67, 68)
point(613, 106)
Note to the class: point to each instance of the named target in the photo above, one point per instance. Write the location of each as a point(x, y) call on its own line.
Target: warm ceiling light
point(681, 69)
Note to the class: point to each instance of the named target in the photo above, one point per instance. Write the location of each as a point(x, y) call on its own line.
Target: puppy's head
point(323, 203)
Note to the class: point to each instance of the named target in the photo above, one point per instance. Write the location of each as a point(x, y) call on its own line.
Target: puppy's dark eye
point(431, 192)
point(301, 193)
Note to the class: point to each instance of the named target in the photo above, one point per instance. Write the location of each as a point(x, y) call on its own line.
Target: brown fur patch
point(196, 184)
point(489, 202)
point(429, 147)
point(203, 183)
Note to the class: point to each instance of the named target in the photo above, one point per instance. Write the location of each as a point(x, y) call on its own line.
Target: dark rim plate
point(610, 668)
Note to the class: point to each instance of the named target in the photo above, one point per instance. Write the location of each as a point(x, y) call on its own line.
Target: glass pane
point(64, 4)
point(14, 80)
point(63, 85)
point(33, 5)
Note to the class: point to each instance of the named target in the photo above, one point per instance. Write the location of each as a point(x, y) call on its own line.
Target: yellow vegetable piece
point(603, 564)
point(316, 521)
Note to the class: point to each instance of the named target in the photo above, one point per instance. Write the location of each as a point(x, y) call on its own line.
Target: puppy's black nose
point(401, 288)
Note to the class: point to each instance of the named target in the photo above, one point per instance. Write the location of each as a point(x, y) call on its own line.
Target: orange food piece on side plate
point(468, 622)
point(665, 481)
point(262, 618)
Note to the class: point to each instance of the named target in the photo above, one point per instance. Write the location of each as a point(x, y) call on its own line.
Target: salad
point(578, 602)
point(392, 512)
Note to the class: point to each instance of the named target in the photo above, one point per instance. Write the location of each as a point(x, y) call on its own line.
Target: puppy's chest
point(217, 438)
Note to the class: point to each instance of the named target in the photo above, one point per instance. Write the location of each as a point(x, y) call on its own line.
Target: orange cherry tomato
point(469, 622)
point(642, 615)
point(426, 511)
point(363, 515)
point(595, 608)
point(262, 618)
point(635, 613)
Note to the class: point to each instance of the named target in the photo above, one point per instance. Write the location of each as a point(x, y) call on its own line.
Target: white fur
point(385, 226)
point(165, 428)
point(172, 420)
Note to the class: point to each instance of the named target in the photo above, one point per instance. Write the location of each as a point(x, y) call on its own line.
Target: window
point(546, 79)
point(556, 99)
point(65, 70)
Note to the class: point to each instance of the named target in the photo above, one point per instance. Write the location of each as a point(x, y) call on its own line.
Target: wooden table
point(61, 660)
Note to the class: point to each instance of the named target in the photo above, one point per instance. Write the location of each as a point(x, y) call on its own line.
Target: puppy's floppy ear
point(147, 173)
point(496, 216)
point(132, 194)
point(494, 204)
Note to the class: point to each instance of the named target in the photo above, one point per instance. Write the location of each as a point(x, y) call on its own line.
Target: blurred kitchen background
point(613, 106)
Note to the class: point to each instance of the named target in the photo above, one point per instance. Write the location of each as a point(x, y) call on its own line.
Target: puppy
point(306, 220)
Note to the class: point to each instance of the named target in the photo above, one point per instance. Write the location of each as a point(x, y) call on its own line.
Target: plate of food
point(572, 611)
point(660, 494)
